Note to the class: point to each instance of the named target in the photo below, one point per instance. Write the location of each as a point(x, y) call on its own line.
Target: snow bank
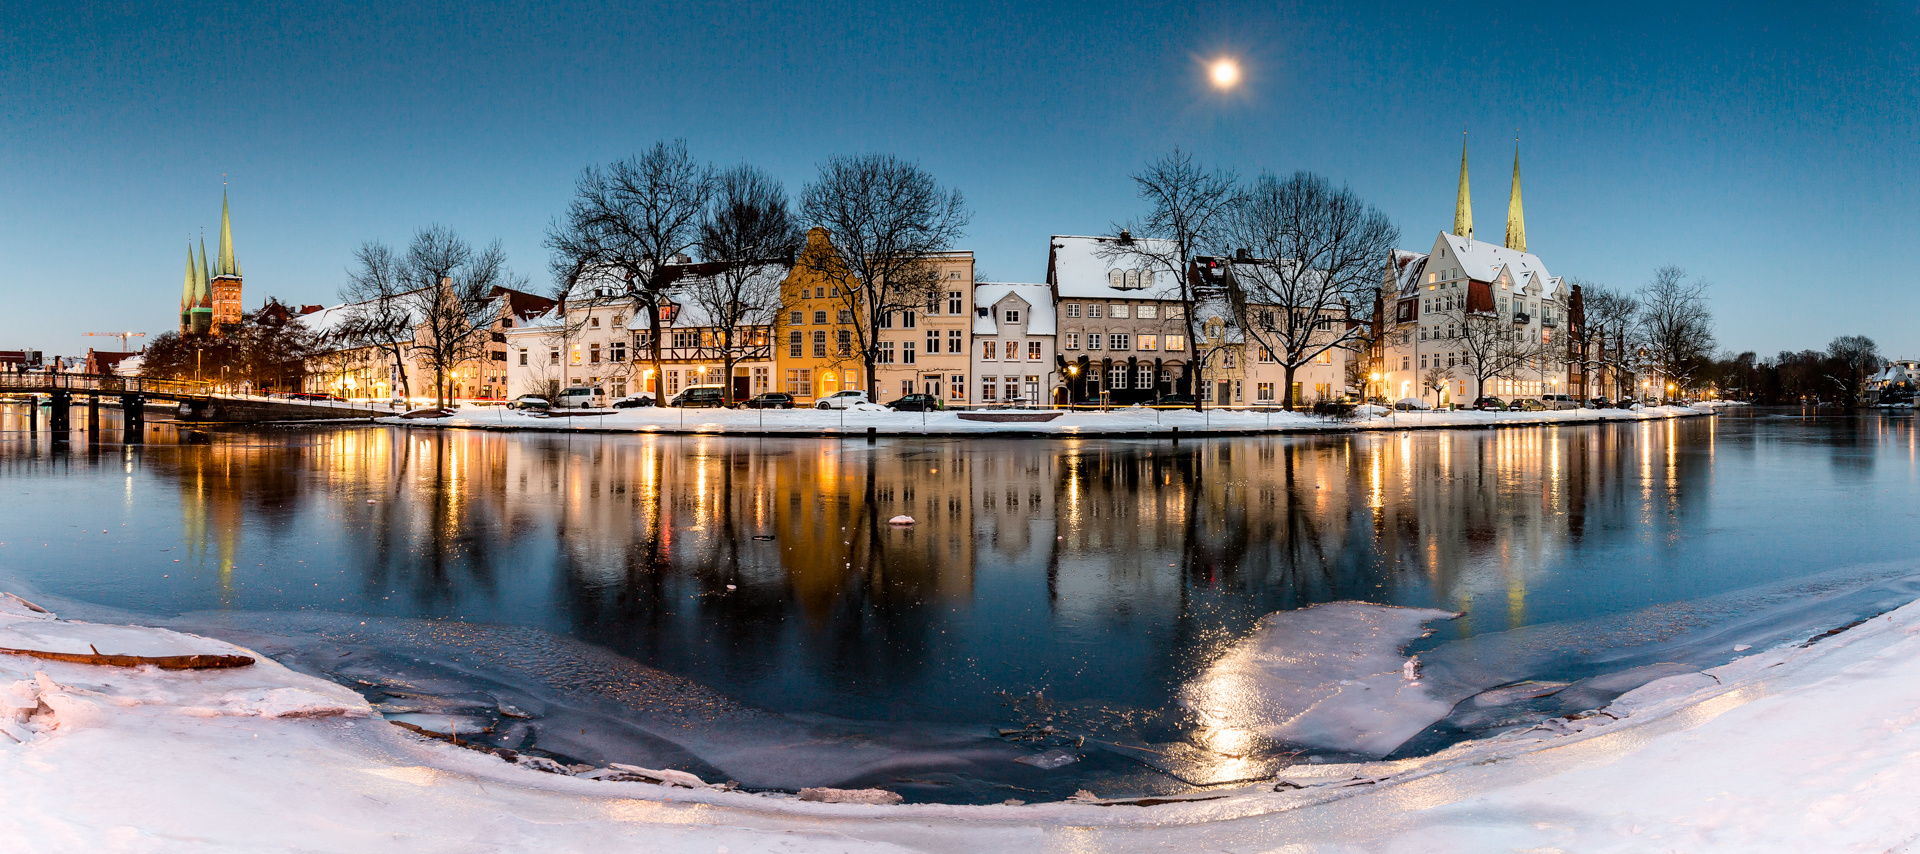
point(1806, 747)
point(1119, 422)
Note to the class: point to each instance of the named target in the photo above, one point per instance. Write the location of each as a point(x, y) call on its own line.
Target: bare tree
point(377, 313)
point(454, 295)
point(1436, 379)
point(1612, 316)
point(1309, 252)
point(1488, 345)
point(888, 219)
point(750, 232)
point(629, 220)
point(1852, 360)
point(1188, 209)
point(1675, 325)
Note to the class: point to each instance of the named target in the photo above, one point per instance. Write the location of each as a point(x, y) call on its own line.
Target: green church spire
point(225, 259)
point(186, 290)
point(1516, 220)
point(1463, 204)
point(202, 291)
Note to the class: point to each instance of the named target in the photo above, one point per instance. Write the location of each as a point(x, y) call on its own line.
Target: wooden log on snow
point(164, 662)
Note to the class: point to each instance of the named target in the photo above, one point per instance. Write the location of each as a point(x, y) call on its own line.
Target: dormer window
point(1116, 278)
point(1012, 315)
point(1133, 279)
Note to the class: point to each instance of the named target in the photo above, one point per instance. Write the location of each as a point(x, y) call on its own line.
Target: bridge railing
point(44, 382)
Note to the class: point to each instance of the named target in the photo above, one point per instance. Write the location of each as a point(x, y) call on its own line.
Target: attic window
point(1133, 278)
point(1116, 278)
point(985, 312)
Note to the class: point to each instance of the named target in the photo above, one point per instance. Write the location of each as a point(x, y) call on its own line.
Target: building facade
point(1122, 326)
point(1013, 333)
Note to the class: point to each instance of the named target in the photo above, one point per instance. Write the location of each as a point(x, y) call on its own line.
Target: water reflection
point(1098, 576)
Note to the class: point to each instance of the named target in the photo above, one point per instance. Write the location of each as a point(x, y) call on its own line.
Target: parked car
point(699, 396)
point(1528, 404)
point(1599, 403)
point(770, 400)
point(633, 401)
point(1560, 401)
point(917, 403)
point(577, 397)
point(1489, 404)
point(1181, 400)
point(530, 403)
point(1411, 404)
point(842, 400)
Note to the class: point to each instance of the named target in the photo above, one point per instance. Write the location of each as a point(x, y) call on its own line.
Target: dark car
point(770, 400)
point(695, 397)
point(917, 403)
point(633, 401)
point(1489, 404)
point(1528, 404)
point(1185, 400)
point(1599, 403)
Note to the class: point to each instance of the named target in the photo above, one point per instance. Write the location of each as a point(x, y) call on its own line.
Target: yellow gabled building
point(816, 343)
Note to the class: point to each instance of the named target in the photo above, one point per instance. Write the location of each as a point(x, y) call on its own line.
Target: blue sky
point(1759, 146)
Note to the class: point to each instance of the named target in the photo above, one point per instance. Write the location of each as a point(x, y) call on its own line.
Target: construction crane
point(123, 336)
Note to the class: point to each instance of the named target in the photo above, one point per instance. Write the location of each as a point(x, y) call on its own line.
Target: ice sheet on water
point(1329, 677)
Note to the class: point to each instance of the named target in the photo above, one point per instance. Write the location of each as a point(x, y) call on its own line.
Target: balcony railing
point(1521, 317)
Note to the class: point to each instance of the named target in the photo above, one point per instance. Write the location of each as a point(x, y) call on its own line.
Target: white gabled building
point(1013, 345)
point(1427, 297)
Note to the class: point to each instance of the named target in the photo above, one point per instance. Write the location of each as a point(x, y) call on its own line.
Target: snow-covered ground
point(1129, 421)
point(1805, 747)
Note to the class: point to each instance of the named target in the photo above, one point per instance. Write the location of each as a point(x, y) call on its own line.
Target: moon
point(1224, 73)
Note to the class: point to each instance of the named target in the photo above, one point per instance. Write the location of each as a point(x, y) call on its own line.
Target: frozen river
point(1136, 609)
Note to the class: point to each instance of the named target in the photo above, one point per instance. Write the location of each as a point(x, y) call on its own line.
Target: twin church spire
point(210, 296)
point(1463, 205)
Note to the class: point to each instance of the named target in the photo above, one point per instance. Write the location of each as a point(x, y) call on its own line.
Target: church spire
point(202, 295)
point(186, 290)
point(224, 261)
point(1463, 205)
point(1516, 220)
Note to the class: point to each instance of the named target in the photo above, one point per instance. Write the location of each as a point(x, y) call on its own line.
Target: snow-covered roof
point(1483, 262)
point(1408, 269)
point(1039, 300)
point(1099, 268)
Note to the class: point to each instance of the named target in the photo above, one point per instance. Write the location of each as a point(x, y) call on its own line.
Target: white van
point(578, 397)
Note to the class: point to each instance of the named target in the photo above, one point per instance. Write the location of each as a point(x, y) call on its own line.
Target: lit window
point(988, 349)
point(1176, 343)
point(1073, 340)
point(1149, 342)
point(1033, 351)
point(1119, 312)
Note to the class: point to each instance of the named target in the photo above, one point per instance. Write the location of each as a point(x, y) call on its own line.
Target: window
point(989, 349)
point(1176, 343)
point(1175, 312)
point(846, 316)
point(574, 357)
point(1116, 377)
point(762, 382)
point(523, 357)
point(1010, 350)
point(800, 383)
point(1143, 376)
point(1266, 356)
point(1093, 340)
point(797, 318)
point(593, 354)
point(820, 318)
point(1119, 341)
point(1116, 278)
point(1229, 360)
point(1406, 363)
point(1263, 392)
point(553, 355)
point(1118, 312)
point(685, 339)
point(593, 323)
point(1093, 311)
point(1133, 279)
point(933, 340)
point(620, 322)
point(1149, 342)
point(1423, 361)
point(1033, 351)
point(1236, 391)
point(906, 320)
point(906, 353)
point(989, 389)
point(620, 388)
point(1073, 340)
point(1073, 309)
point(820, 344)
point(1012, 315)
point(673, 382)
point(958, 389)
point(1325, 357)
point(844, 344)
point(954, 344)
point(1148, 312)
point(834, 291)
point(953, 304)
point(886, 320)
point(617, 351)
point(885, 356)
point(794, 344)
